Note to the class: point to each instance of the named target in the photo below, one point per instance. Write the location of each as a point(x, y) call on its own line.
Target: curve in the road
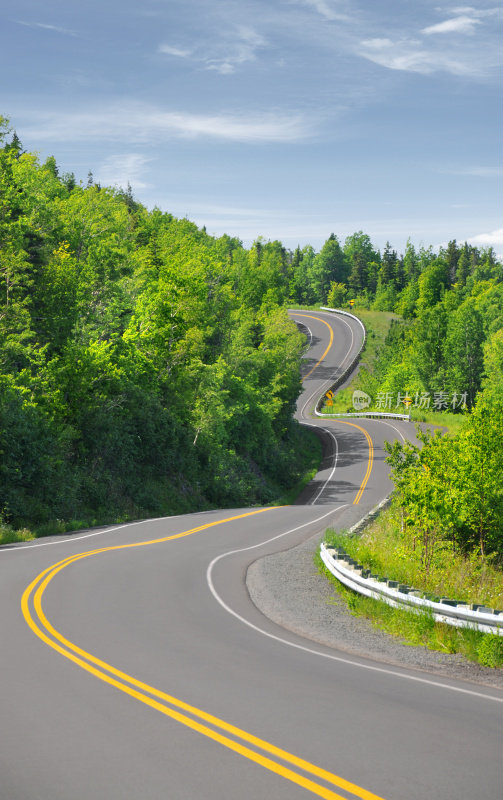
point(205, 651)
point(168, 705)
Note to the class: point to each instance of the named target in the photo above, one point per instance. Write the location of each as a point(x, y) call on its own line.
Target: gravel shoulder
point(287, 589)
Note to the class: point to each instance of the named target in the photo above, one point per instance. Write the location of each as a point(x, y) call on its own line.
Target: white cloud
point(492, 239)
point(462, 24)
point(234, 46)
point(169, 50)
point(478, 12)
point(409, 55)
point(121, 169)
point(144, 124)
point(435, 48)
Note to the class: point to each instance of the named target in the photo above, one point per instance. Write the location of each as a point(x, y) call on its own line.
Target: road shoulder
point(287, 588)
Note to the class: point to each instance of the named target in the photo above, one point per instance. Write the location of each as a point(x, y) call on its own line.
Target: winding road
point(134, 666)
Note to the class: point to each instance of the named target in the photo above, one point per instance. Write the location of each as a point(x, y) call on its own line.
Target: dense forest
point(145, 367)
point(444, 353)
point(149, 368)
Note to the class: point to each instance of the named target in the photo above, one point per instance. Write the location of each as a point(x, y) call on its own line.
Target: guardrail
point(369, 414)
point(355, 577)
point(361, 580)
point(347, 372)
point(347, 314)
point(338, 381)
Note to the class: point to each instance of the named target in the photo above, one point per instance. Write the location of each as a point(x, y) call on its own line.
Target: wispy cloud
point(234, 46)
point(124, 168)
point(243, 46)
point(326, 9)
point(169, 50)
point(436, 47)
point(478, 12)
point(144, 124)
point(409, 55)
point(462, 24)
point(44, 26)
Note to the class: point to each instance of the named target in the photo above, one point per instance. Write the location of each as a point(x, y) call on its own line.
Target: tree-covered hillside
point(145, 367)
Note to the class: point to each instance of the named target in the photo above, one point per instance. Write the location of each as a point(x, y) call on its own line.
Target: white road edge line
point(384, 422)
point(336, 454)
point(18, 547)
point(311, 650)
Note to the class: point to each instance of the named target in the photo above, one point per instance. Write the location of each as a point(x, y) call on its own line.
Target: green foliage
point(490, 651)
point(148, 367)
point(328, 267)
point(338, 294)
point(10, 536)
point(388, 548)
point(145, 367)
point(451, 489)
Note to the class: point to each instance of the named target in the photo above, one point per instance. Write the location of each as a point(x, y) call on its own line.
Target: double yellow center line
point(370, 460)
point(343, 422)
point(309, 776)
point(331, 340)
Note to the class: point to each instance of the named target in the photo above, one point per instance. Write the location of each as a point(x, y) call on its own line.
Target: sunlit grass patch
point(10, 536)
point(383, 549)
point(419, 628)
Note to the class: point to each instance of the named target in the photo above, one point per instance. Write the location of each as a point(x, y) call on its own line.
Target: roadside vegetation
point(385, 549)
point(420, 629)
point(443, 534)
point(443, 350)
point(146, 368)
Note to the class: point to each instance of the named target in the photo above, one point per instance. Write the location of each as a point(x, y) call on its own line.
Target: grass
point(473, 580)
point(420, 629)
point(10, 536)
point(443, 419)
point(383, 549)
point(377, 324)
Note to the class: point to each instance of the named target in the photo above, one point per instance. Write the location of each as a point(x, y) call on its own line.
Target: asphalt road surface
point(134, 665)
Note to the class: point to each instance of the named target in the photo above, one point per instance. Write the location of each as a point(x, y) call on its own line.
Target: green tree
point(337, 296)
point(359, 252)
point(432, 284)
point(389, 260)
point(328, 266)
point(463, 351)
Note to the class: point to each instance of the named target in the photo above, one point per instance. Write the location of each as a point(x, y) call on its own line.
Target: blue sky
point(289, 119)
